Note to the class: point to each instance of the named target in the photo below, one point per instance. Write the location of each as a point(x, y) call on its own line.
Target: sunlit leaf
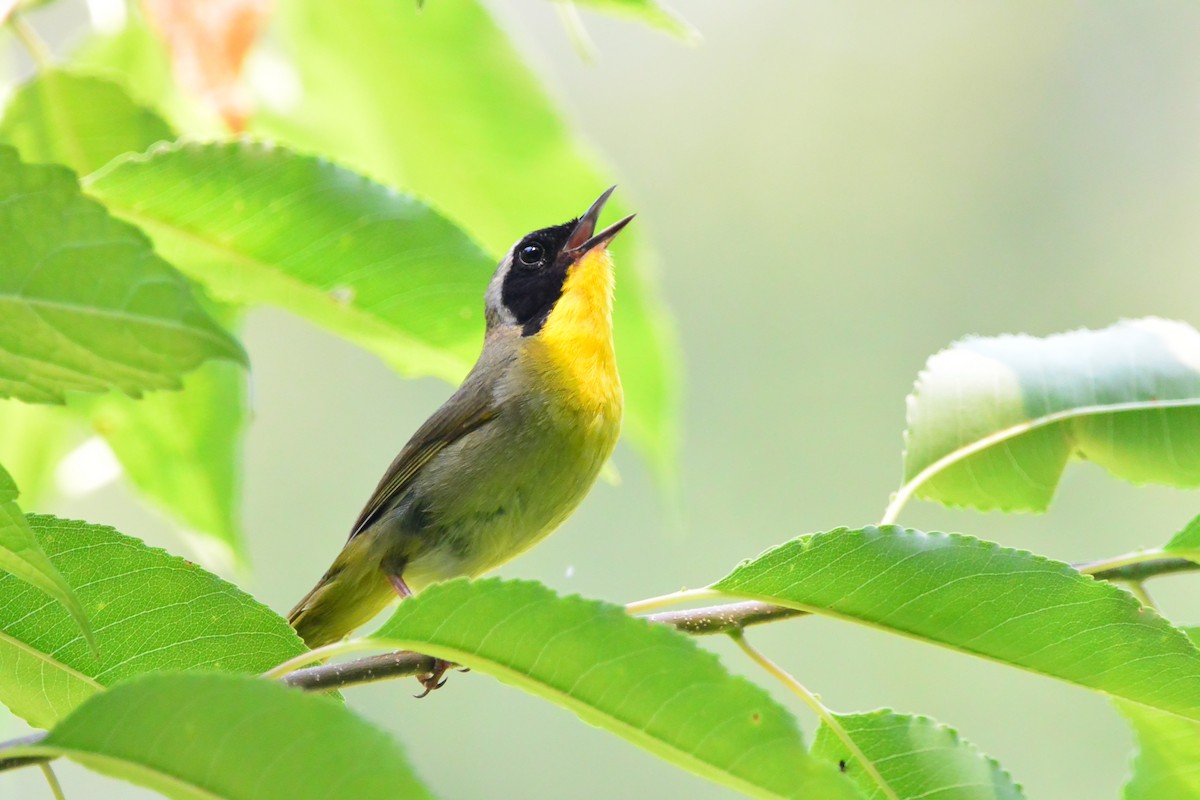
point(980, 598)
point(992, 422)
point(82, 121)
point(231, 737)
point(1167, 764)
point(150, 610)
point(85, 122)
point(85, 304)
point(23, 559)
point(499, 159)
point(198, 432)
point(270, 226)
point(646, 683)
point(208, 43)
point(917, 757)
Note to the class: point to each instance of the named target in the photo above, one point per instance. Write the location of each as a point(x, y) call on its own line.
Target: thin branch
point(403, 664)
point(22, 761)
point(328, 677)
point(724, 618)
point(1137, 571)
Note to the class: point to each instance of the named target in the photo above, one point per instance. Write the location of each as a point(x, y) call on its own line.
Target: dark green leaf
point(78, 120)
point(270, 226)
point(992, 422)
point(376, 83)
point(919, 758)
point(22, 557)
point(233, 737)
point(646, 683)
point(85, 304)
point(150, 610)
point(978, 597)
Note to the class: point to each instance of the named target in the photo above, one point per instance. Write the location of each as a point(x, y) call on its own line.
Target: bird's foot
point(435, 679)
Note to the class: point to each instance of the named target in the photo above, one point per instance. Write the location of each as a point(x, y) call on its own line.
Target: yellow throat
point(577, 336)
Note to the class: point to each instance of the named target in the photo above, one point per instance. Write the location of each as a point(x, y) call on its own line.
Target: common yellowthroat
point(512, 452)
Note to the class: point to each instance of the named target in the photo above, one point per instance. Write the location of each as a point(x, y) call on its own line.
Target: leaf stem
point(672, 599)
point(812, 701)
point(52, 779)
point(1125, 560)
point(1138, 590)
point(38, 50)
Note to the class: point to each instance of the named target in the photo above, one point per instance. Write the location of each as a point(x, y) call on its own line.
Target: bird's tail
point(352, 592)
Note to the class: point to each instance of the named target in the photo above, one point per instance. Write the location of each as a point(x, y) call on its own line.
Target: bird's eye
point(531, 254)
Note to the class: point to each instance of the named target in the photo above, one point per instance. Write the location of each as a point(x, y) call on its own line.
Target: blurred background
point(836, 190)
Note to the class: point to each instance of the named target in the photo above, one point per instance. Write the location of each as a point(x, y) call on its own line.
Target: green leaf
point(22, 557)
point(85, 121)
point(918, 758)
point(980, 598)
point(78, 120)
point(1186, 543)
point(1167, 764)
point(85, 304)
point(992, 422)
point(646, 683)
point(198, 431)
point(233, 737)
point(647, 11)
point(151, 611)
point(270, 226)
point(376, 79)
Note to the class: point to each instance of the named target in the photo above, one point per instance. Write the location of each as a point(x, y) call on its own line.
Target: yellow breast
point(575, 344)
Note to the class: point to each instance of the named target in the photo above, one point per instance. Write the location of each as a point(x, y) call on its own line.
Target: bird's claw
point(435, 679)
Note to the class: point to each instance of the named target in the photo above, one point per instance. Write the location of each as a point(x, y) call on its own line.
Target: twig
point(328, 677)
point(402, 664)
point(1138, 571)
point(724, 618)
point(22, 761)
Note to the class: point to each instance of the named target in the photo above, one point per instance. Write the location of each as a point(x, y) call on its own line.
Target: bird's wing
point(471, 407)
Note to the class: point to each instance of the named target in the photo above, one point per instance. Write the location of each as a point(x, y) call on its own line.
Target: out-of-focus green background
point(836, 190)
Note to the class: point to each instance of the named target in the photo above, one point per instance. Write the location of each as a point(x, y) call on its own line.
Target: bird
point(513, 451)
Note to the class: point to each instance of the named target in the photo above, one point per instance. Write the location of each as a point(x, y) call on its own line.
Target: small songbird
point(512, 452)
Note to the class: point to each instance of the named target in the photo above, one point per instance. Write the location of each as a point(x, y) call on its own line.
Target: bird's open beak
point(584, 238)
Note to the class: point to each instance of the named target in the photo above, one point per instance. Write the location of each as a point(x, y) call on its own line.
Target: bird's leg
point(400, 586)
point(431, 680)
